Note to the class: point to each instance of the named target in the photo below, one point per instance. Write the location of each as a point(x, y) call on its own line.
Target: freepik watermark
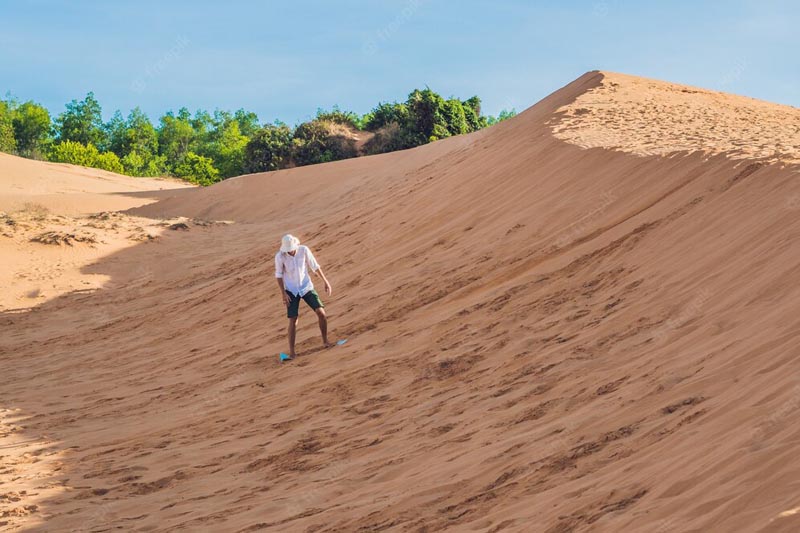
point(735, 73)
point(158, 67)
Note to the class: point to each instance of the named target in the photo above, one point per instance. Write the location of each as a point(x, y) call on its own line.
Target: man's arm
point(284, 294)
point(279, 279)
point(320, 273)
point(317, 270)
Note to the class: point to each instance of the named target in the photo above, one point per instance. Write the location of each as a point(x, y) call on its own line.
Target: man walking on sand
point(292, 263)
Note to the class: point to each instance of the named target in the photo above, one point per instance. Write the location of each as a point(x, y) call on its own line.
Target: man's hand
point(286, 299)
point(328, 289)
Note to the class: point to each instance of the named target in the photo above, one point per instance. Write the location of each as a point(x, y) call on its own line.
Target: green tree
point(8, 143)
point(135, 142)
point(175, 136)
point(270, 148)
point(474, 103)
point(504, 115)
point(197, 169)
point(472, 113)
point(140, 135)
point(115, 133)
point(248, 122)
point(224, 144)
point(202, 123)
point(426, 122)
point(82, 122)
point(31, 123)
point(454, 118)
point(385, 114)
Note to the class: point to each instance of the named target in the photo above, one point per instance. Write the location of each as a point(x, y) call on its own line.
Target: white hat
point(289, 243)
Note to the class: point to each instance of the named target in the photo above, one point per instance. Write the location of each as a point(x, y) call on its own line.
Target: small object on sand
point(62, 237)
point(178, 226)
point(340, 342)
point(286, 357)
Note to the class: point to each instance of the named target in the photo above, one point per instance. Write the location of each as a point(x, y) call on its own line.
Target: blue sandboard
point(286, 357)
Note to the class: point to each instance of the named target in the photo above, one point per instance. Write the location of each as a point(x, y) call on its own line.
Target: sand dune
point(72, 190)
point(56, 219)
point(542, 337)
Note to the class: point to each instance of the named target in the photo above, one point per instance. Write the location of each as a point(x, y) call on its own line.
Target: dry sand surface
point(651, 117)
point(56, 219)
point(542, 337)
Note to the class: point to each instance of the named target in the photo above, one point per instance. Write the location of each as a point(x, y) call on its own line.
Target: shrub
point(133, 163)
point(338, 116)
point(472, 114)
point(504, 115)
point(386, 139)
point(455, 120)
point(386, 114)
point(318, 142)
point(109, 161)
point(156, 166)
point(74, 153)
point(144, 164)
point(269, 149)
point(197, 169)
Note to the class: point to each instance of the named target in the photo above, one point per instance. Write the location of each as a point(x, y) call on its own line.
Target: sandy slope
point(75, 204)
point(541, 338)
point(70, 189)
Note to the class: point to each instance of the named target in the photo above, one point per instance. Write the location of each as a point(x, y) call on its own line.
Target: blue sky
point(285, 59)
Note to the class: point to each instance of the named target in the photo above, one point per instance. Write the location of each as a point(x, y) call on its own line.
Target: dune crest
point(650, 117)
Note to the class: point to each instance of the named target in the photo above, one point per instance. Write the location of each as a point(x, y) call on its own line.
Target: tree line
point(204, 147)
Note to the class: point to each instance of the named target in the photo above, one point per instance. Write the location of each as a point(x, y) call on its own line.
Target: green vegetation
point(270, 148)
point(8, 142)
point(197, 169)
point(205, 148)
point(31, 123)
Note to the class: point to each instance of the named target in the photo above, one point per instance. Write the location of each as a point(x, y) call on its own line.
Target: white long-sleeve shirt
point(294, 270)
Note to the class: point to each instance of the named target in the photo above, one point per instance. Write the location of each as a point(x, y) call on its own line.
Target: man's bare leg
point(292, 335)
point(323, 325)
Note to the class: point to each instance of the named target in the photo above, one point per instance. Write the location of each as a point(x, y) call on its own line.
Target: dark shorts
point(311, 298)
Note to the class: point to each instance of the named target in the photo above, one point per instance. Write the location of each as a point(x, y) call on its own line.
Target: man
point(292, 263)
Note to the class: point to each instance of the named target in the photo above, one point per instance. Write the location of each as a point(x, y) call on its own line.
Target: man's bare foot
point(326, 344)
